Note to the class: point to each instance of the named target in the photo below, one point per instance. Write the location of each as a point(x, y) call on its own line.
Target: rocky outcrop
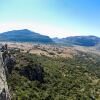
point(4, 92)
point(33, 72)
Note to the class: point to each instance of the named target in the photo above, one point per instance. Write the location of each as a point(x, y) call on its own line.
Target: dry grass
point(43, 49)
point(51, 50)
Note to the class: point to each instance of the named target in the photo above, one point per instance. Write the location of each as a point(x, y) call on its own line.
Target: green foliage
point(64, 79)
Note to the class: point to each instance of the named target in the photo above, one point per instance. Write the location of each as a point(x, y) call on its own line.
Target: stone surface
point(4, 92)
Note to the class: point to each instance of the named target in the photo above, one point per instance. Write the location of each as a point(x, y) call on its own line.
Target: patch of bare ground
point(44, 49)
point(92, 50)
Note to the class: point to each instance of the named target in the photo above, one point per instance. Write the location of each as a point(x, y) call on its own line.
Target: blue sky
point(56, 18)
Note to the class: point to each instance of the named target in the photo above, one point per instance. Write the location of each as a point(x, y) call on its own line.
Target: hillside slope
point(76, 78)
point(24, 36)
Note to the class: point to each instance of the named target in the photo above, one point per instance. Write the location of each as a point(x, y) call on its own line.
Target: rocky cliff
point(4, 92)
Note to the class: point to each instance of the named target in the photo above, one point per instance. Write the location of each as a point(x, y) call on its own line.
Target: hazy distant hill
point(29, 36)
point(24, 36)
point(79, 40)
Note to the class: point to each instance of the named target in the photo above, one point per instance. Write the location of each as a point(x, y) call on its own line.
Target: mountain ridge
point(89, 40)
point(24, 35)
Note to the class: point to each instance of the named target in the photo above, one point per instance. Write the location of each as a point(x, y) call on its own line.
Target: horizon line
point(45, 35)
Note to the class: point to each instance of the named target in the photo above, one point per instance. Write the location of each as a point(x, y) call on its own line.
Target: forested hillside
point(45, 78)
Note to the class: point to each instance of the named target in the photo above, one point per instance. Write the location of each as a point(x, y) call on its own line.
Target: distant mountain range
point(78, 40)
point(26, 35)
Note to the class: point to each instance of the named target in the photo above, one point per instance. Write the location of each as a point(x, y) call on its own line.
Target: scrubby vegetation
point(42, 78)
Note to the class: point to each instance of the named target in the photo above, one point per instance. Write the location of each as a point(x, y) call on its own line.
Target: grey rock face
point(4, 92)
